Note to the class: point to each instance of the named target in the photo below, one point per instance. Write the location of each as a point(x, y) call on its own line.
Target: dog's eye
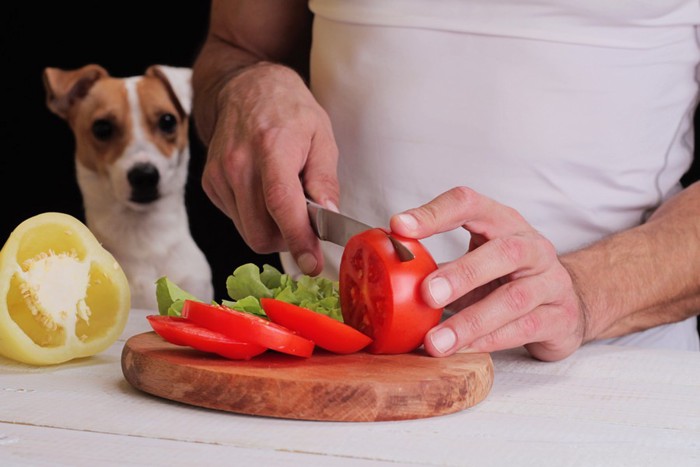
point(167, 123)
point(102, 129)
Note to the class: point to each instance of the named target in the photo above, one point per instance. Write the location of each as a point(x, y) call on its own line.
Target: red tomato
point(380, 295)
point(180, 331)
point(247, 327)
point(325, 331)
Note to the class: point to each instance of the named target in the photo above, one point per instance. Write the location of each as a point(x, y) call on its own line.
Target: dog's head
point(131, 134)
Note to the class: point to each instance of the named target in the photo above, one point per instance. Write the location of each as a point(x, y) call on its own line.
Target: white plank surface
point(603, 406)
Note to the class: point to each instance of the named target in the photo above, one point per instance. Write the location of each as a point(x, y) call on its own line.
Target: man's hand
point(509, 290)
point(271, 145)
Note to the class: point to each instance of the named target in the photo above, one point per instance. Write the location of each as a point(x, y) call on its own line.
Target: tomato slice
point(326, 332)
point(180, 331)
point(380, 295)
point(247, 327)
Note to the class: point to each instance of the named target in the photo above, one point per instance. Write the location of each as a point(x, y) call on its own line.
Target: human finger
point(231, 181)
point(282, 165)
point(504, 305)
point(549, 333)
point(215, 185)
point(507, 257)
point(459, 207)
point(319, 176)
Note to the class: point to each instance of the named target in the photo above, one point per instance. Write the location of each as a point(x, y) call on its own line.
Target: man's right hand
point(272, 145)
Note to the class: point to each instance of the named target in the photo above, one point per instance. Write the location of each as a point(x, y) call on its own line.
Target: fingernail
point(443, 339)
point(408, 221)
point(332, 206)
point(440, 290)
point(307, 263)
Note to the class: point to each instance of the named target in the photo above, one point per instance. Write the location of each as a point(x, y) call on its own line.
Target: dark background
point(125, 37)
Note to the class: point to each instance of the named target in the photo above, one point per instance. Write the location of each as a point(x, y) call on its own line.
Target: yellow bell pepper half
point(62, 295)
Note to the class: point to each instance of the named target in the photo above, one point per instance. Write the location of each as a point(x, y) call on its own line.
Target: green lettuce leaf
point(248, 304)
point(315, 293)
point(170, 297)
point(248, 284)
point(246, 281)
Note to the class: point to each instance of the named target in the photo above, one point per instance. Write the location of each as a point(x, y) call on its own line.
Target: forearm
point(216, 64)
point(645, 276)
point(241, 34)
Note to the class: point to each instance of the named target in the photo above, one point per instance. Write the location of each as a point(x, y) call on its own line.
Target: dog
point(132, 157)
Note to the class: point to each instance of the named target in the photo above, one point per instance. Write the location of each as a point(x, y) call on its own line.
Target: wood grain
point(353, 388)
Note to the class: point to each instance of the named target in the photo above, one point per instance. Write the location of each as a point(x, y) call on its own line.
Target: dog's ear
point(178, 80)
point(65, 87)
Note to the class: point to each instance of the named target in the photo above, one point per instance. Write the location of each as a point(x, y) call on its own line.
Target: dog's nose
point(143, 179)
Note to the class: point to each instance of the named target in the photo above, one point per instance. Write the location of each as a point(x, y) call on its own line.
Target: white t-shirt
point(576, 113)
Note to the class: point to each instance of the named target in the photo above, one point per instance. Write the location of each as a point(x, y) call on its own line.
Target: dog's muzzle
point(143, 179)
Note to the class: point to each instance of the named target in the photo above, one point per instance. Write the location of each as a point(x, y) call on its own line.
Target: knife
point(338, 228)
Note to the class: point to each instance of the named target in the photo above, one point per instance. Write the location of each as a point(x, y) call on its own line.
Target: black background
point(36, 153)
point(125, 37)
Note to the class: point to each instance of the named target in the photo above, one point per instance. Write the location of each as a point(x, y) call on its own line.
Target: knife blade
point(338, 228)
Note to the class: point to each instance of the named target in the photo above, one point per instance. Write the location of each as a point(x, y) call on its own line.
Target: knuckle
point(323, 182)
point(262, 242)
point(294, 241)
point(489, 341)
point(267, 139)
point(277, 197)
point(264, 248)
point(529, 324)
point(211, 175)
point(512, 248)
point(233, 166)
point(469, 324)
point(562, 280)
point(467, 274)
point(516, 297)
point(430, 213)
point(462, 195)
point(208, 183)
point(545, 247)
point(319, 119)
point(426, 214)
point(513, 213)
point(258, 244)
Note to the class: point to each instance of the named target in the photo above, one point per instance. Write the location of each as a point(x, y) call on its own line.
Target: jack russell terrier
point(131, 158)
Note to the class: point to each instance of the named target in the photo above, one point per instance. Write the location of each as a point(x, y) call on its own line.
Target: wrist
point(255, 83)
point(581, 300)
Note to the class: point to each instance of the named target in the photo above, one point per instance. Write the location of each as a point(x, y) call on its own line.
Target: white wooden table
point(603, 406)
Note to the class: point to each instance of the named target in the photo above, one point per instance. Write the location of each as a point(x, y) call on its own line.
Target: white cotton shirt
point(576, 113)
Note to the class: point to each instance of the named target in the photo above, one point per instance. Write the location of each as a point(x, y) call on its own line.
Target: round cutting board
point(356, 387)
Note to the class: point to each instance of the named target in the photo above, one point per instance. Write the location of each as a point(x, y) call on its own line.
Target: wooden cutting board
point(354, 388)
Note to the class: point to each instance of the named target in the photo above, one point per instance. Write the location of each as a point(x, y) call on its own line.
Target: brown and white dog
point(131, 159)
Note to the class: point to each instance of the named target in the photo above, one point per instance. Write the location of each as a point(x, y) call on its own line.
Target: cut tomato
point(180, 331)
point(326, 332)
point(380, 295)
point(247, 327)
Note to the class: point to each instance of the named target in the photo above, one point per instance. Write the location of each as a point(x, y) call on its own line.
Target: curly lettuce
point(248, 284)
